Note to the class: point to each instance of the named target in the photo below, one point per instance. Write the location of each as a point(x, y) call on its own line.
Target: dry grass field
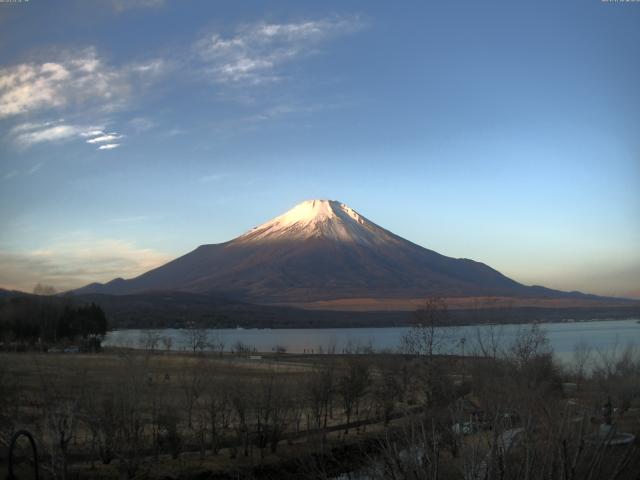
point(141, 414)
point(151, 386)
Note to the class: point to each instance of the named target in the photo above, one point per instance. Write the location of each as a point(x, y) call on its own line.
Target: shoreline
point(408, 325)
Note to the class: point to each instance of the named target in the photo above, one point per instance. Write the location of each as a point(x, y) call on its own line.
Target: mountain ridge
point(317, 251)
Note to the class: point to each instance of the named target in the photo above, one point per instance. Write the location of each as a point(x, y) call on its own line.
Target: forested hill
point(37, 319)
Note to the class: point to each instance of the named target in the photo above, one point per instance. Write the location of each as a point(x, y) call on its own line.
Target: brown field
point(42, 379)
point(454, 303)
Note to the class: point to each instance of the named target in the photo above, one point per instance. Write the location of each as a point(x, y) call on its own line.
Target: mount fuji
point(323, 251)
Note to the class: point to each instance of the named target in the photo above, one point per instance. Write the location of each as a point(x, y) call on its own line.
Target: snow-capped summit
point(319, 219)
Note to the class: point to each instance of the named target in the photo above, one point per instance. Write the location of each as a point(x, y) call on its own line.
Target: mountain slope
point(321, 250)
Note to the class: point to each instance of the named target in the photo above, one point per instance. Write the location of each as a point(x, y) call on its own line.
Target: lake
point(601, 335)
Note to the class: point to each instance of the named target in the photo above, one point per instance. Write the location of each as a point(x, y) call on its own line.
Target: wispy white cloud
point(299, 111)
point(92, 133)
point(76, 77)
point(104, 138)
point(109, 146)
point(141, 124)
point(72, 78)
point(149, 69)
point(27, 172)
point(255, 52)
point(35, 168)
point(282, 110)
point(30, 126)
point(272, 112)
point(76, 261)
point(82, 85)
point(48, 134)
point(174, 132)
point(29, 134)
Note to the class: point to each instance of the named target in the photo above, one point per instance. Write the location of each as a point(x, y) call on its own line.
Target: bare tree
point(240, 401)
point(167, 342)
point(216, 343)
point(156, 389)
point(216, 400)
point(352, 386)
point(151, 340)
point(489, 340)
point(8, 405)
point(191, 381)
point(129, 416)
point(168, 422)
point(99, 415)
point(61, 412)
point(530, 342)
point(320, 387)
point(195, 336)
point(271, 406)
point(617, 374)
point(241, 349)
point(297, 394)
point(428, 337)
point(580, 360)
point(430, 332)
point(387, 388)
point(61, 423)
point(413, 453)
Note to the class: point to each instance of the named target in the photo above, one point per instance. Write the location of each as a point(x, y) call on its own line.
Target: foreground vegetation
point(507, 412)
point(33, 322)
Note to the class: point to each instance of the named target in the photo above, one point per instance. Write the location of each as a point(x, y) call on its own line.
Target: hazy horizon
point(132, 132)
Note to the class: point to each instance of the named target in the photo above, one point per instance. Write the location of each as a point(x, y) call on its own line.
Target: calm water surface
point(604, 336)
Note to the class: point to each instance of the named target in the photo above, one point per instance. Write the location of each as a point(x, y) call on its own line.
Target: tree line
point(29, 321)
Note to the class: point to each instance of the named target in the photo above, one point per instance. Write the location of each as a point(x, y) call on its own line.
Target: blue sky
point(507, 132)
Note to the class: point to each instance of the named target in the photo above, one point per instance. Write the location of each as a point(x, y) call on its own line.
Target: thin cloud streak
point(48, 134)
point(255, 53)
point(17, 173)
point(92, 133)
point(104, 138)
point(213, 178)
point(35, 168)
point(109, 146)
